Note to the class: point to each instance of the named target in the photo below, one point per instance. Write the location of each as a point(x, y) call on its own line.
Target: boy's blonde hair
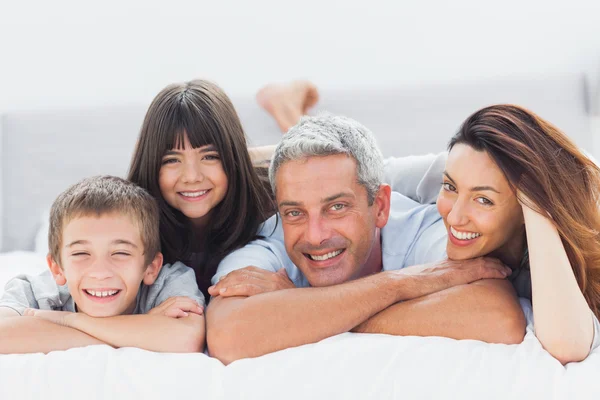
point(100, 195)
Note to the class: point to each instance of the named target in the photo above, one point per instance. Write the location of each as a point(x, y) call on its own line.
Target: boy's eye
point(121, 253)
point(79, 253)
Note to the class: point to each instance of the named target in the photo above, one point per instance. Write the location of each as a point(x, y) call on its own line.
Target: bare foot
point(288, 102)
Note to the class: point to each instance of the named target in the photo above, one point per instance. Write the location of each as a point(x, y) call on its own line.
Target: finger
point(283, 272)
point(244, 289)
point(175, 313)
point(29, 312)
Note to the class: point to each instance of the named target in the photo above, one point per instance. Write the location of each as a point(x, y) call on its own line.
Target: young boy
point(106, 283)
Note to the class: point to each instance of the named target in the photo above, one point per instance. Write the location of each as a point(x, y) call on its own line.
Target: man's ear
point(56, 270)
point(382, 205)
point(153, 269)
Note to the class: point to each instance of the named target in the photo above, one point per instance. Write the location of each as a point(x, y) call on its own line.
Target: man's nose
point(317, 231)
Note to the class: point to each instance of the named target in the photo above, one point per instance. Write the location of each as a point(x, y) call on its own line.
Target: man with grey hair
point(345, 253)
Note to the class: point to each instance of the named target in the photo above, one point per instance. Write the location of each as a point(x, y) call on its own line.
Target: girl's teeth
point(193, 194)
point(325, 256)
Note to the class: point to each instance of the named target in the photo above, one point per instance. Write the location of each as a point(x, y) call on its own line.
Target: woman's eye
point(484, 201)
point(448, 186)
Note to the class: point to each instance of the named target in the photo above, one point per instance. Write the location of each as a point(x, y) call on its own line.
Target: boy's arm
point(146, 331)
point(20, 335)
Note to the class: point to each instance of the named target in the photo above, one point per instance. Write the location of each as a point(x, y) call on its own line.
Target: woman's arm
point(563, 320)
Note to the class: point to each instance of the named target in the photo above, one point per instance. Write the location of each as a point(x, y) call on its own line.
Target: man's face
point(103, 263)
point(329, 227)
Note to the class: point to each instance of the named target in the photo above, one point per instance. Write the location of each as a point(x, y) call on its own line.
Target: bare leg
point(288, 102)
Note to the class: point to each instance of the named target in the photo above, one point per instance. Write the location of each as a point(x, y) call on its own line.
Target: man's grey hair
point(326, 135)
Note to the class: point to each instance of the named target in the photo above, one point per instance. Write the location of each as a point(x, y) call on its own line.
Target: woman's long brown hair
point(203, 112)
point(547, 167)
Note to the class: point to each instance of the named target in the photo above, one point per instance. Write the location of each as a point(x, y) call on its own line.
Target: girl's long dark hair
point(548, 168)
point(203, 112)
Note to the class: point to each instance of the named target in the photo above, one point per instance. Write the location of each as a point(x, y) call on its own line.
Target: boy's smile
point(103, 264)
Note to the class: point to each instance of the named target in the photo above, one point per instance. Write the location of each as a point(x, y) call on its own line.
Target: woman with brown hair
point(515, 188)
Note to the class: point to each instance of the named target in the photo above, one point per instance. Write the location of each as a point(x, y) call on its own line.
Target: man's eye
point(338, 207)
point(293, 213)
point(448, 187)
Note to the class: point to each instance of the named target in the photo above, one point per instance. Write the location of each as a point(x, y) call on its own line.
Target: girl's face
point(193, 180)
point(480, 210)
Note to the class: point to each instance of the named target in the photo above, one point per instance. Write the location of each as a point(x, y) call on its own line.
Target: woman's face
point(193, 180)
point(480, 210)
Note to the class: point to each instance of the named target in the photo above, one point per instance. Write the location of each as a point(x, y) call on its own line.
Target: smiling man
point(345, 253)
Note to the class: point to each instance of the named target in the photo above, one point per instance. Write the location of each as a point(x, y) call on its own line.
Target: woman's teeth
point(101, 293)
point(464, 235)
point(325, 256)
point(193, 194)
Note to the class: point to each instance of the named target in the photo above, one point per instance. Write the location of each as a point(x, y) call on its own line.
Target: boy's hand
point(58, 317)
point(177, 307)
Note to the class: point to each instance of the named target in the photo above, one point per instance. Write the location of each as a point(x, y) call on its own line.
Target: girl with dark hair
point(192, 156)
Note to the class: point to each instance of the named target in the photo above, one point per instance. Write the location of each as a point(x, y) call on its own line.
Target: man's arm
point(486, 310)
point(19, 335)
point(240, 327)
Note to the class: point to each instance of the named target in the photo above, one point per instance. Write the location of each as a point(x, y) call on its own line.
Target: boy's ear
point(56, 270)
point(153, 269)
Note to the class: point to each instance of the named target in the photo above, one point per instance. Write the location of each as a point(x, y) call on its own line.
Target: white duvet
point(345, 366)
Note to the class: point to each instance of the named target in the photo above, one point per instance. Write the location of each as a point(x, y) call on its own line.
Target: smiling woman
point(518, 189)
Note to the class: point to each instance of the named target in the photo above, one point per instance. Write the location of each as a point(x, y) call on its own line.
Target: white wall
point(73, 54)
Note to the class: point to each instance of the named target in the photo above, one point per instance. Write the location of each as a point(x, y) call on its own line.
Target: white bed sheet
point(344, 366)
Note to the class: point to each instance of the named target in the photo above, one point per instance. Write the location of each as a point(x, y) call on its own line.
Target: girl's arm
point(563, 321)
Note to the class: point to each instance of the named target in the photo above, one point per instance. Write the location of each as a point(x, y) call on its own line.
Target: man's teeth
point(101, 293)
point(193, 194)
point(325, 256)
point(464, 235)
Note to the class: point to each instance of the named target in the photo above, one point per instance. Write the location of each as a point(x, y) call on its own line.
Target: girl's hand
point(177, 307)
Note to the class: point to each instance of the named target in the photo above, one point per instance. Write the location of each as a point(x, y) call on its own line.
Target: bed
point(406, 120)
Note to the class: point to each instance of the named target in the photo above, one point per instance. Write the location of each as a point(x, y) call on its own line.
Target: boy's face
point(103, 263)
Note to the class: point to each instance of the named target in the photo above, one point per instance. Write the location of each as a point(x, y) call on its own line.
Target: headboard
point(43, 152)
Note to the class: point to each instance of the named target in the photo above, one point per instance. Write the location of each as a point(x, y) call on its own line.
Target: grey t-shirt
point(42, 292)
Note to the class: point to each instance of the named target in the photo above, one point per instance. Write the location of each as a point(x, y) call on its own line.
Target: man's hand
point(58, 317)
point(453, 273)
point(177, 307)
point(251, 281)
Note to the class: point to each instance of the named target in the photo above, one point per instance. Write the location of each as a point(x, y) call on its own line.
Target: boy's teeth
point(102, 293)
point(325, 256)
point(193, 194)
point(464, 235)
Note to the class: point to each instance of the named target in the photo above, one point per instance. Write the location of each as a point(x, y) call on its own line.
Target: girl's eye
point(484, 201)
point(211, 157)
point(338, 207)
point(448, 187)
point(169, 161)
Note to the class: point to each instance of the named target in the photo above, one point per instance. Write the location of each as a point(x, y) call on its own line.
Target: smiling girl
point(192, 156)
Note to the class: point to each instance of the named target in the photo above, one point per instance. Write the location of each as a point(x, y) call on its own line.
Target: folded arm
point(20, 335)
point(486, 310)
point(240, 327)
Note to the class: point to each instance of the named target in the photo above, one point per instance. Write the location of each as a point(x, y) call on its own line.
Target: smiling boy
point(105, 283)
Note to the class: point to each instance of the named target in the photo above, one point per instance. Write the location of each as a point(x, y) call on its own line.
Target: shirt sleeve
point(176, 280)
point(596, 341)
point(267, 253)
point(19, 295)
point(416, 177)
